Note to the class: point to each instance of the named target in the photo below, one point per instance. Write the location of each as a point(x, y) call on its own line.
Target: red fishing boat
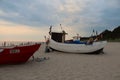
point(17, 54)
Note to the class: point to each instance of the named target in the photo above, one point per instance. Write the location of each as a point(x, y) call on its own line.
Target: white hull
point(77, 48)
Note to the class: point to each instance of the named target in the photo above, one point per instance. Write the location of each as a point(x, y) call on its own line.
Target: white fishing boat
point(95, 47)
point(57, 42)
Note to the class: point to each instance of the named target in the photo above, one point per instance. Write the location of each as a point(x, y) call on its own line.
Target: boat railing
point(11, 44)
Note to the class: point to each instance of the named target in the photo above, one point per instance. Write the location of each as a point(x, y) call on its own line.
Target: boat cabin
point(58, 36)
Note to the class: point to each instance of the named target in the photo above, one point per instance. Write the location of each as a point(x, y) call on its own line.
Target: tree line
point(111, 35)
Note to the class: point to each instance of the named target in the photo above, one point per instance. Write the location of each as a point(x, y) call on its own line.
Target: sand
point(65, 66)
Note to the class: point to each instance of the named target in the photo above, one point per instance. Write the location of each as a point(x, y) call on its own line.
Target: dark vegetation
point(113, 36)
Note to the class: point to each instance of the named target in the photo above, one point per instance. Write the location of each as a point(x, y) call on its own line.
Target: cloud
point(81, 16)
point(69, 6)
point(2, 13)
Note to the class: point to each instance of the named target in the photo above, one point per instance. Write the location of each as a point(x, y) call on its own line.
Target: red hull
point(18, 54)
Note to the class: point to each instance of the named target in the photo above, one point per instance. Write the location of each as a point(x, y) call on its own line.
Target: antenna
point(50, 29)
point(61, 27)
point(96, 33)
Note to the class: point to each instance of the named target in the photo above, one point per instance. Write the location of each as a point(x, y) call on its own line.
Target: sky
point(29, 20)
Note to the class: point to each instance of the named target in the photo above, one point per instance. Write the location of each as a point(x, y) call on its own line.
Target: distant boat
point(17, 54)
point(96, 47)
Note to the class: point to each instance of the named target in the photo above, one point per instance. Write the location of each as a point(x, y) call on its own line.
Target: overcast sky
point(30, 19)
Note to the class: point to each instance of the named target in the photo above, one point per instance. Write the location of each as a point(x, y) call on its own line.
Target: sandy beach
point(65, 66)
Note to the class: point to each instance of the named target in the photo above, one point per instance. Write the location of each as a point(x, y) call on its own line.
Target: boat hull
point(94, 52)
point(96, 47)
point(18, 54)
